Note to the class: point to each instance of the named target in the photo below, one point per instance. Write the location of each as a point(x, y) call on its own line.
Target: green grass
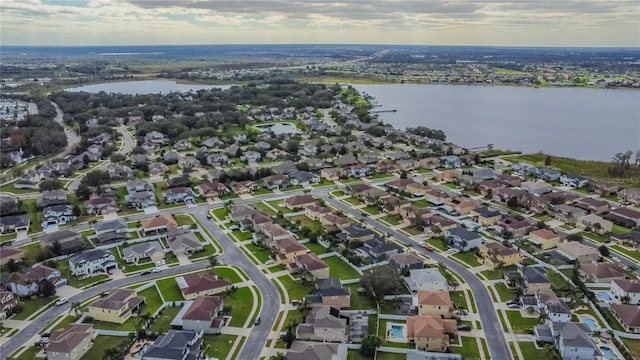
point(530, 352)
point(240, 306)
point(64, 322)
point(393, 219)
point(438, 243)
point(337, 193)
point(379, 176)
point(468, 257)
point(8, 237)
point(262, 191)
point(295, 289)
point(469, 349)
point(352, 201)
point(618, 230)
point(496, 274)
point(633, 346)
point(504, 292)
point(242, 235)
point(630, 253)
point(101, 344)
point(87, 282)
point(218, 346)
point(132, 324)
point(10, 188)
point(305, 221)
point(32, 306)
point(152, 300)
point(323, 182)
point(556, 279)
point(206, 251)
point(277, 268)
point(279, 205)
point(263, 255)
point(421, 203)
point(265, 208)
point(613, 322)
point(170, 290)
point(316, 248)
point(520, 324)
point(459, 299)
point(373, 210)
point(412, 230)
point(355, 354)
point(183, 220)
point(220, 213)
point(382, 329)
point(359, 301)
point(163, 322)
point(35, 216)
point(230, 274)
point(28, 354)
point(502, 320)
point(340, 269)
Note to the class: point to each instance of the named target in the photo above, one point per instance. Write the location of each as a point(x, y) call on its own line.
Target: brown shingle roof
point(428, 297)
point(203, 308)
point(201, 281)
point(311, 262)
point(406, 258)
point(299, 200)
point(602, 270)
point(629, 286)
point(160, 220)
point(629, 314)
point(66, 339)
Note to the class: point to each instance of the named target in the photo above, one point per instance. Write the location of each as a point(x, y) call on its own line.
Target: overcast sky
point(428, 22)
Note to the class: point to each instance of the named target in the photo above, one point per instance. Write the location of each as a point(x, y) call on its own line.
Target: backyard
point(520, 324)
point(340, 269)
point(240, 306)
point(295, 289)
point(469, 349)
point(315, 226)
point(100, 345)
point(218, 346)
point(152, 300)
point(316, 248)
point(170, 290)
point(163, 322)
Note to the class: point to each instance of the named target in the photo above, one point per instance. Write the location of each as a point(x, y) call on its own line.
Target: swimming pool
point(608, 353)
point(589, 321)
point(396, 332)
point(604, 295)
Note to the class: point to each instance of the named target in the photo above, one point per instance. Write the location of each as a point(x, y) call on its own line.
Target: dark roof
point(58, 236)
point(89, 255)
point(331, 287)
point(463, 233)
point(110, 225)
point(173, 345)
point(485, 212)
point(14, 220)
point(535, 274)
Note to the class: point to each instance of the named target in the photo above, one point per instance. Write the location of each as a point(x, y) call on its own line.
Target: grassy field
point(240, 306)
point(530, 352)
point(206, 251)
point(633, 346)
point(556, 279)
point(264, 208)
point(279, 205)
point(359, 301)
point(438, 243)
point(230, 274)
point(218, 346)
point(28, 354)
point(371, 210)
point(412, 230)
point(183, 219)
point(468, 257)
point(316, 248)
point(163, 321)
point(262, 254)
point(630, 253)
point(340, 269)
point(352, 201)
point(170, 290)
point(295, 289)
point(459, 299)
point(520, 324)
point(469, 349)
point(242, 235)
point(337, 193)
point(305, 221)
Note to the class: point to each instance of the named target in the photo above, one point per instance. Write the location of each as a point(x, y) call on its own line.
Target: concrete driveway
point(67, 291)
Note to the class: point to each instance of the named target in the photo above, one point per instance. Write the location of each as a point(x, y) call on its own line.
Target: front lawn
point(100, 345)
point(630, 253)
point(468, 257)
point(152, 300)
point(242, 235)
point(170, 290)
point(469, 349)
point(438, 243)
point(28, 354)
point(218, 346)
point(221, 213)
point(504, 292)
point(393, 219)
point(420, 203)
point(323, 182)
point(316, 248)
point(229, 274)
point(32, 306)
point(279, 206)
point(412, 230)
point(520, 324)
point(340, 269)
point(373, 210)
point(263, 255)
point(295, 289)
point(337, 193)
point(262, 191)
point(379, 176)
point(352, 201)
point(241, 302)
point(183, 220)
point(86, 282)
point(459, 299)
point(497, 274)
point(162, 323)
point(530, 352)
point(264, 208)
point(132, 324)
point(206, 251)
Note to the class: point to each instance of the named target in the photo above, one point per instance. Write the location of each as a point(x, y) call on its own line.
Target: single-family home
point(624, 216)
point(594, 223)
point(203, 314)
point(178, 194)
point(628, 316)
point(434, 302)
point(323, 324)
point(626, 290)
point(315, 212)
point(463, 239)
point(631, 239)
point(496, 255)
point(536, 188)
point(303, 178)
point(70, 342)
point(67, 239)
point(547, 303)
point(7, 302)
point(574, 181)
point(52, 197)
point(406, 261)
point(213, 190)
point(149, 249)
point(330, 292)
point(544, 238)
point(430, 279)
point(278, 181)
point(572, 340)
point(183, 241)
point(356, 233)
point(485, 216)
point(579, 252)
point(594, 206)
point(28, 283)
point(287, 249)
point(311, 264)
point(158, 223)
point(532, 279)
point(332, 222)
point(117, 307)
point(548, 174)
point(303, 350)
point(101, 205)
point(299, 201)
point(176, 344)
point(244, 187)
point(8, 253)
point(201, 283)
point(601, 272)
point(430, 332)
point(450, 161)
point(57, 215)
point(630, 196)
point(91, 261)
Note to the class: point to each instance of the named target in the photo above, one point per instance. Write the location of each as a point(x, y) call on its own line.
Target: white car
point(422, 243)
point(269, 262)
point(156, 270)
point(615, 258)
point(62, 301)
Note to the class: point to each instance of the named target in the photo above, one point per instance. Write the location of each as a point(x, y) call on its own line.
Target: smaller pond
point(279, 128)
point(144, 87)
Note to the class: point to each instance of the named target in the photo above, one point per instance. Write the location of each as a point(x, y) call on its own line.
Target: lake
point(575, 122)
point(144, 87)
point(279, 128)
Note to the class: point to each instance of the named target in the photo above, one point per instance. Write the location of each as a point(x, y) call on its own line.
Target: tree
point(12, 266)
point(46, 288)
point(117, 158)
point(213, 261)
point(290, 336)
point(278, 356)
point(574, 237)
point(550, 352)
point(144, 319)
point(77, 211)
point(625, 299)
point(52, 184)
point(604, 250)
point(547, 160)
point(513, 202)
point(369, 344)
point(380, 281)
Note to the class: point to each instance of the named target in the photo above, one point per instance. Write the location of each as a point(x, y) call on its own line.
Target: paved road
point(498, 347)
point(128, 142)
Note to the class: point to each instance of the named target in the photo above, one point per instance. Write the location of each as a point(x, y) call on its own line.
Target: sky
point(424, 22)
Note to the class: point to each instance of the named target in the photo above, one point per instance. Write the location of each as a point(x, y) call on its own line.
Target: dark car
point(145, 272)
point(464, 328)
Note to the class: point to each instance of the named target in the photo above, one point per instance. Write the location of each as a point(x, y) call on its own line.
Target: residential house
point(182, 144)
point(345, 160)
point(430, 279)
point(158, 223)
point(183, 180)
point(483, 174)
point(66, 238)
point(359, 170)
point(437, 225)
point(508, 180)
point(158, 169)
point(630, 196)
point(189, 162)
point(170, 157)
point(436, 197)
point(299, 201)
point(626, 289)
point(8, 253)
point(356, 189)
point(406, 261)
point(330, 292)
point(91, 261)
point(496, 255)
point(434, 302)
point(601, 272)
point(119, 171)
point(547, 174)
point(605, 188)
point(536, 188)
point(117, 307)
point(70, 342)
point(28, 283)
point(631, 216)
point(156, 137)
point(311, 264)
point(178, 194)
point(518, 228)
point(544, 238)
point(111, 230)
point(411, 213)
point(7, 302)
point(303, 178)
point(595, 223)
point(53, 197)
point(417, 189)
point(217, 159)
point(308, 150)
point(57, 215)
point(628, 316)
point(212, 142)
point(523, 169)
point(276, 181)
point(594, 206)
point(274, 232)
point(430, 332)
point(9, 204)
point(461, 204)
point(579, 252)
point(449, 176)
point(533, 279)
point(302, 350)
point(284, 167)
point(572, 340)
point(332, 222)
point(450, 161)
point(150, 249)
point(176, 345)
point(315, 212)
point(287, 249)
point(213, 190)
point(631, 239)
point(275, 154)
point(356, 233)
point(244, 187)
point(323, 324)
point(463, 239)
point(380, 250)
point(183, 241)
point(547, 303)
point(30, 180)
point(574, 181)
point(429, 163)
point(138, 160)
point(485, 216)
point(201, 283)
point(241, 212)
point(140, 194)
point(251, 157)
point(203, 314)
point(101, 205)
point(400, 184)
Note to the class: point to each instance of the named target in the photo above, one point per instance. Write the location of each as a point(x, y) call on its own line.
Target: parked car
point(513, 306)
point(429, 247)
point(156, 270)
point(257, 322)
point(145, 272)
point(62, 301)
point(464, 327)
point(234, 227)
point(269, 262)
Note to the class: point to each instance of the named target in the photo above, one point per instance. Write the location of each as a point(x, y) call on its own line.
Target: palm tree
point(144, 319)
point(550, 352)
point(76, 308)
point(228, 204)
point(625, 299)
point(542, 318)
point(213, 261)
